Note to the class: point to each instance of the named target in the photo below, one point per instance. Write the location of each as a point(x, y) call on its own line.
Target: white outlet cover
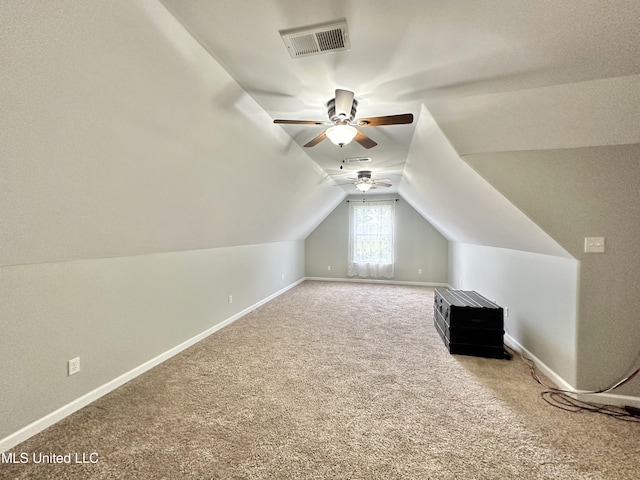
point(74, 365)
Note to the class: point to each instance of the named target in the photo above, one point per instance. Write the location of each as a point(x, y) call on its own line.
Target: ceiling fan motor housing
point(334, 117)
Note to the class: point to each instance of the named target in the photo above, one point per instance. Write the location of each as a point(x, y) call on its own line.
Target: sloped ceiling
point(459, 203)
point(121, 135)
point(130, 128)
point(479, 76)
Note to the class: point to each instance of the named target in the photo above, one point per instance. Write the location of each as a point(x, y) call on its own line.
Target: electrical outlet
point(74, 365)
point(329, 267)
point(506, 312)
point(230, 298)
point(282, 276)
point(419, 271)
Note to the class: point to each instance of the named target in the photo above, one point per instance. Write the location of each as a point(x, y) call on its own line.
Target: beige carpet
point(334, 381)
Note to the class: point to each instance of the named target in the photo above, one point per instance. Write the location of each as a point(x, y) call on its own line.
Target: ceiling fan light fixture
point(363, 186)
point(341, 134)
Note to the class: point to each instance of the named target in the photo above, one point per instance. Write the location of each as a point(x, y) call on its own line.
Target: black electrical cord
point(564, 400)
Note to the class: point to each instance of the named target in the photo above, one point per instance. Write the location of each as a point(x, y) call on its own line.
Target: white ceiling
point(147, 126)
point(491, 73)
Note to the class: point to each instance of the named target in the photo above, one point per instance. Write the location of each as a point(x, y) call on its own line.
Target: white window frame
point(371, 226)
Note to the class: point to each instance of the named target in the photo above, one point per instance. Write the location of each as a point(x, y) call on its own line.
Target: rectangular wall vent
point(316, 39)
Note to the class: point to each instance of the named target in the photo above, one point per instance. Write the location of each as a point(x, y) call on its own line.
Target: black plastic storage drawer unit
point(468, 323)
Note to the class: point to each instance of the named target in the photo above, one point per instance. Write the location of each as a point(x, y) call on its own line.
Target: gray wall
point(576, 193)
point(538, 293)
point(118, 313)
point(127, 215)
point(418, 245)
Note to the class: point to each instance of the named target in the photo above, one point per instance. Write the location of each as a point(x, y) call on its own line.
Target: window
point(371, 228)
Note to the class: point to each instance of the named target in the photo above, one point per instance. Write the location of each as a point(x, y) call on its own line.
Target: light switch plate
point(594, 244)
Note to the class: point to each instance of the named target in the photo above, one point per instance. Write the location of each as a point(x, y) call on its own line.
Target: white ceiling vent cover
point(316, 39)
point(358, 160)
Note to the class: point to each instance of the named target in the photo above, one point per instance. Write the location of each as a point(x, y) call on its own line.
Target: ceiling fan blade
point(363, 140)
point(386, 120)
point(380, 184)
point(344, 102)
point(315, 141)
point(302, 122)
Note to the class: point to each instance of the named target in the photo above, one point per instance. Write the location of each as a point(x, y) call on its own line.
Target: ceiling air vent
point(316, 39)
point(357, 160)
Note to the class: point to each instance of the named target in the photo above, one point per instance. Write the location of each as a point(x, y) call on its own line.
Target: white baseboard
point(602, 398)
point(540, 365)
point(372, 280)
point(37, 426)
point(66, 410)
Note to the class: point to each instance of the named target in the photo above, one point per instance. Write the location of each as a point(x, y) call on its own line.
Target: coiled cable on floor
point(565, 400)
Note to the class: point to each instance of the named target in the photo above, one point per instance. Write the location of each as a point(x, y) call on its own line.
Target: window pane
point(373, 234)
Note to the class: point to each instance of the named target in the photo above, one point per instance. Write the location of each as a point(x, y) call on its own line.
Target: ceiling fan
point(342, 111)
point(364, 182)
